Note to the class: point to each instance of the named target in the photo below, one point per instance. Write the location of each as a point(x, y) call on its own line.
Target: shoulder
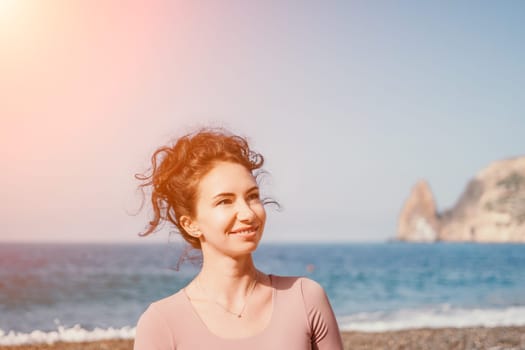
point(158, 312)
point(307, 286)
point(155, 327)
point(311, 292)
point(311, 288)
point(165, 307)
point(169, 301)
point(300, 281)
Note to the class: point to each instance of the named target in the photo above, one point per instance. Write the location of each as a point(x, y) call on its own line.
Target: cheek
point(220, 216)
point(209, 218)
point(260, 211)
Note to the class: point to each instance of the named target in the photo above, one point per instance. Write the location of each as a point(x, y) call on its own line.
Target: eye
point(224, 201)
point(253, 196)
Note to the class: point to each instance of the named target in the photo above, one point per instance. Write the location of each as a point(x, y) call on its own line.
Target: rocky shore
point(490, 210)
point(498, 338)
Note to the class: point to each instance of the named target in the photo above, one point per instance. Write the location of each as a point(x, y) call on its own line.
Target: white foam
point(73, 334)
point(442, 316)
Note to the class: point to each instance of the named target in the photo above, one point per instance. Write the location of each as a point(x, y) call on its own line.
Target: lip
point(252, 231)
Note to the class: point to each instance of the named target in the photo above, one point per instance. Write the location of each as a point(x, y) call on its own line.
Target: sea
point(83, 292)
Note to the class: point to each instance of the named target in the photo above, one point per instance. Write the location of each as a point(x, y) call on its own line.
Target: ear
point(190, 226)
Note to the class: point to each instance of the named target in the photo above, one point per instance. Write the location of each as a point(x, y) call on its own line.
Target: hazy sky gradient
point(351, 103)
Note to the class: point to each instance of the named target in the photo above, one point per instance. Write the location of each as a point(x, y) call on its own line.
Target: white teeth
point(245, 232)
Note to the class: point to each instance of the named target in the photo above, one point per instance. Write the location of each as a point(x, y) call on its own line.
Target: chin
point(249, 247)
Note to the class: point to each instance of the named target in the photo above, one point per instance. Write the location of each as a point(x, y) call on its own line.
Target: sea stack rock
point(418, 221)
point(491, 209)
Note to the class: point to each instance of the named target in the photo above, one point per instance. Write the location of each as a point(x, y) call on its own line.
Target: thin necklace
point(238, 314)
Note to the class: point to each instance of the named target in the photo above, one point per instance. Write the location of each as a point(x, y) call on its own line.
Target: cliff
point(491, 209)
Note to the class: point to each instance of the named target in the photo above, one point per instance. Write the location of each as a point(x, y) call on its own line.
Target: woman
point(206, 186)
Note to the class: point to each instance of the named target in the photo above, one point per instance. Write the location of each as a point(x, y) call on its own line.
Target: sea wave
point(442, 316)
point(71, 334)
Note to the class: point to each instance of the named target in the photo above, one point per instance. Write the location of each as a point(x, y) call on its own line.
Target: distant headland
point(491, 209)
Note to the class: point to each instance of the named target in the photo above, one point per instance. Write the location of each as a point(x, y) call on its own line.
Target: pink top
point(302, 319)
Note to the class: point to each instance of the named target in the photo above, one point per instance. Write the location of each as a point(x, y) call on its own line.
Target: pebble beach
point(497, 338)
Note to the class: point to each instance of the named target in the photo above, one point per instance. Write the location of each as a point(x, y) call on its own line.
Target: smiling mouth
point(245, 231)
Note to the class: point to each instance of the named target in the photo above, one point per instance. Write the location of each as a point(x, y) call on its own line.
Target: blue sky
point(350, 102)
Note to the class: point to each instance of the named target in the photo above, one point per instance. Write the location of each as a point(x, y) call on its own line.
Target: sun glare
point(8, 10)
point(17, 16)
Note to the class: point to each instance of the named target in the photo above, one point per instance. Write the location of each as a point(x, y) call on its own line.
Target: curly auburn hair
point(176, 171)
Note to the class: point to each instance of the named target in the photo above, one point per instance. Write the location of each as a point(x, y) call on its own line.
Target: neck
point(227, 278)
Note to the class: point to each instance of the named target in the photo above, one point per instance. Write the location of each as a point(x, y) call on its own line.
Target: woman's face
point(230, 215)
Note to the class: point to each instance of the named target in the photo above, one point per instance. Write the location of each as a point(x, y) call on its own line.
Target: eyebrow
point(230, 194)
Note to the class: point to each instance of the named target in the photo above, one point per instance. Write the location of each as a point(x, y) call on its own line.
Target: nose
point(245, 212)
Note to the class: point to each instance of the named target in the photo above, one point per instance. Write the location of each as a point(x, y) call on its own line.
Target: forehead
point(226, 177)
